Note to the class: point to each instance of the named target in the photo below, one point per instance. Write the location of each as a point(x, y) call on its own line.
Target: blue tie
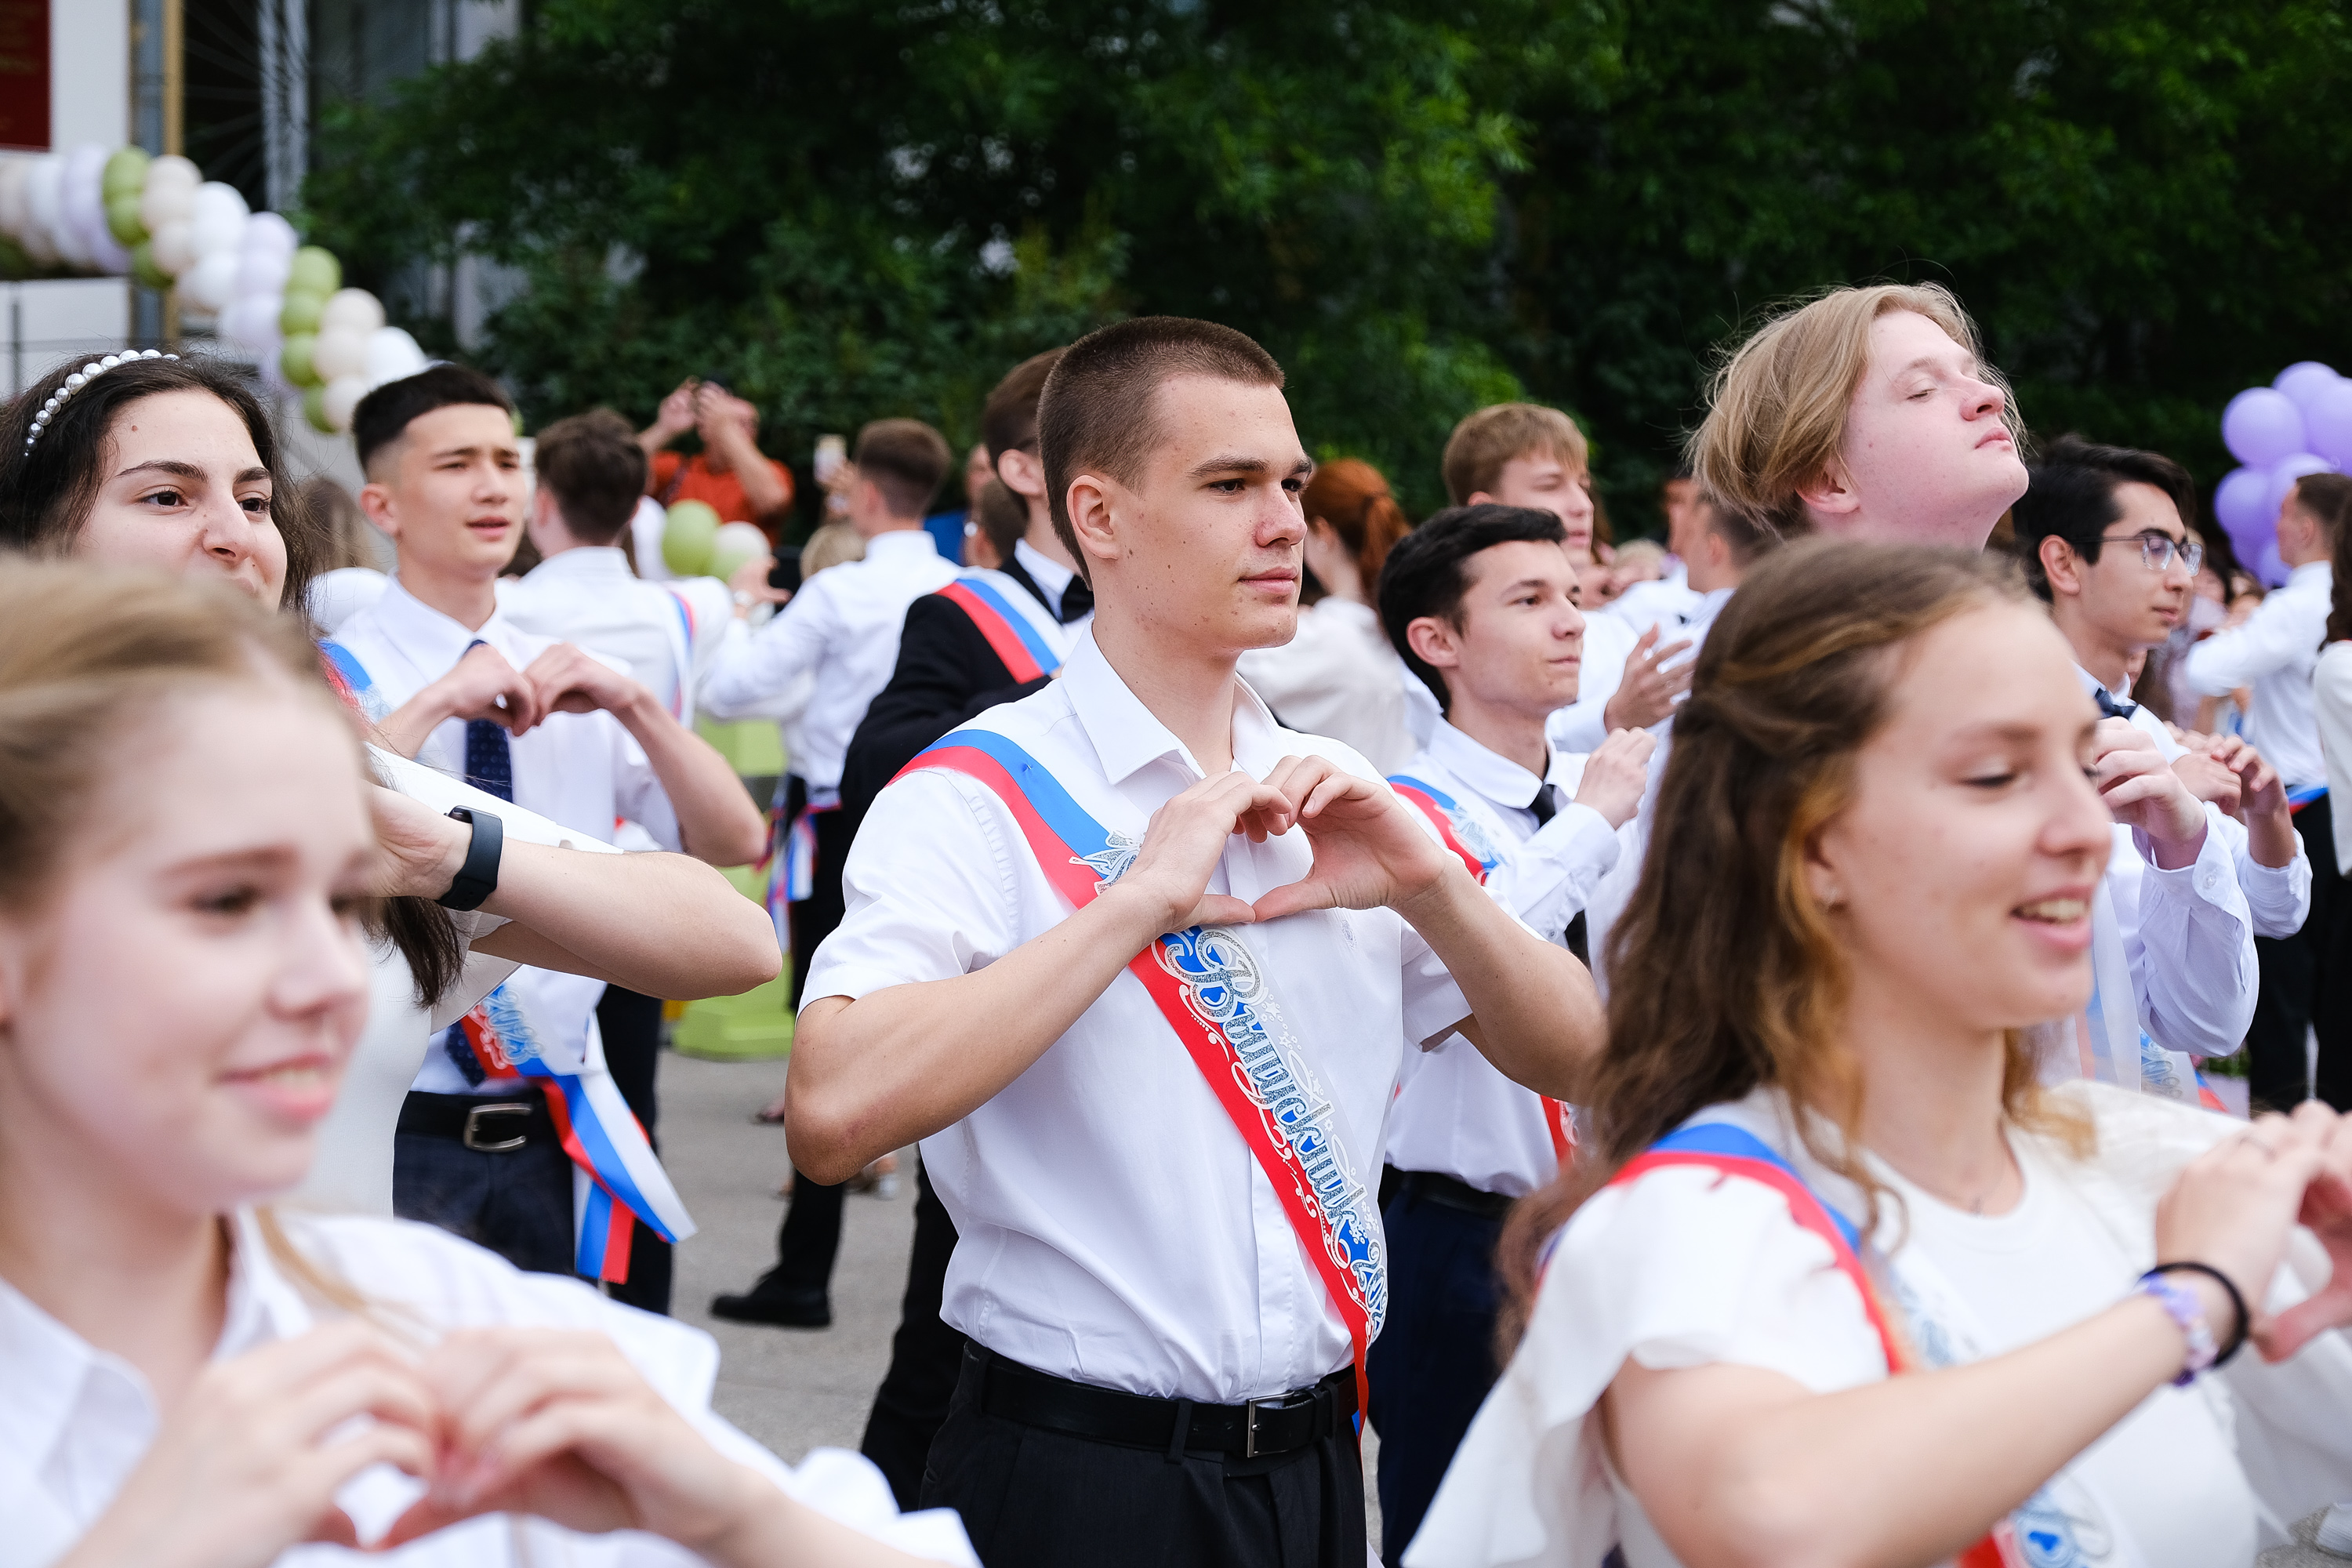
point(2112, 709)
point(490, 764)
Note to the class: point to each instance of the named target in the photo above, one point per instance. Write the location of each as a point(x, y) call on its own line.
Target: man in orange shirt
point(742, 484)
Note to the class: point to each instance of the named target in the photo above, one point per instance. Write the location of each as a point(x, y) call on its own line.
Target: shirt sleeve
point(637, 792)
point(748, 670)
point(2278, 897)
point(2270, 640)
point(2191, 949)
point(1550, 877)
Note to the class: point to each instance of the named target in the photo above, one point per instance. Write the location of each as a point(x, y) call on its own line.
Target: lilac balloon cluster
point(2300, 424)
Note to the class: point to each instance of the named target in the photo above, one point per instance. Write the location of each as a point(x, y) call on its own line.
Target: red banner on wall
point(24, 74)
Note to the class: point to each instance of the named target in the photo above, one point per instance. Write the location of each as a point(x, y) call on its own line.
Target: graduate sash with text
point(1469, 841)
point(1207, 984)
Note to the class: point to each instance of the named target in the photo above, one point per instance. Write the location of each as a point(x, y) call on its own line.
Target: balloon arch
point(90, 211)
point(2300, 424)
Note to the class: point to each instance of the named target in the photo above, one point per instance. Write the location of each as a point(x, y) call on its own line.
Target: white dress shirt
point(843, 626)
point(2275, 653)
point(1662, 603)
point(1455, 1113)
point(1609, 641)
point(336, 596)
point(77, 1420)
point(2332, 706)
point(1112, 1226)
point(664, 633)
point(1338, 677)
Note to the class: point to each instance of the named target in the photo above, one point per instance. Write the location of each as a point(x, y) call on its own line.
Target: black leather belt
point(1255, 1429)
point(486, 1123)
point(1429, 1187)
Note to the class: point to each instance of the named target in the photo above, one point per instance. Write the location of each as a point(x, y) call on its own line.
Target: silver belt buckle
point(472, 1138)
point(1250, 1407)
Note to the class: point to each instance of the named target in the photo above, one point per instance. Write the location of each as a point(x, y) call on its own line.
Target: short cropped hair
point(907, 460)
point(1008, 420)
point(1002, 518)
point(1483, 443)
point(594, 467)
point(1427, 572)
point(2070, 494)
point(1100, 406)
point(1742, 535)
point(384, 416)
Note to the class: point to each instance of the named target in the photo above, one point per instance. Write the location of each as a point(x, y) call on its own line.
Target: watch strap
point(478, 879)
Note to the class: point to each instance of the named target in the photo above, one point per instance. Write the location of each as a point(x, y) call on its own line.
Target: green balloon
point(687, 536)
point(314, 409)
point(123, 218)
point(126, 172)
point(143, 267)
point(315, 272)
point(300, 312)
point(294, 360)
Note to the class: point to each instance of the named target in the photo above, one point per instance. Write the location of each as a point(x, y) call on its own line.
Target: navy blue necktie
point(2111, 708)
point(490, 764)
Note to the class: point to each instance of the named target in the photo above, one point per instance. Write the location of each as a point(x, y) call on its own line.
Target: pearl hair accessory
point(81, 379)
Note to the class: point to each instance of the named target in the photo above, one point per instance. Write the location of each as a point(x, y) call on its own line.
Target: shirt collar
point(2091, 684)
point(908, 542)
point(1127, 737)
point(583, 560)
point(1053, 578)
point(2312, 571)
point(431, 639)
point(1488, 772)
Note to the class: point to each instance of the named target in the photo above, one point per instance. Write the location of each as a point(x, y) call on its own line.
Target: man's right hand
point(482, 685)
point(675, 415)
point(1648, 692)
point(1185, 840)
point(1616, 775)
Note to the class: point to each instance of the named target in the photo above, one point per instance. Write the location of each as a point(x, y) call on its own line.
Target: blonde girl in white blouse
point(184, 851)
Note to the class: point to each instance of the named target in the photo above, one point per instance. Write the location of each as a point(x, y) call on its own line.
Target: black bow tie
point(1078, 599)
point(2111, 708)
point(1544, 806)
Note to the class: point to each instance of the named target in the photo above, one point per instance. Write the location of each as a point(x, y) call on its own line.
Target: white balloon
point(392, 355)
point(82, 203)
point(211, 283)
point(173, 248)
point(260, 273)
point(174, 173)
point(354, 307)
point(13, 172)
point(251, 323)
point(340, 398)
point(338, 352)
point(266, 234)
point(169, 197)
point(43, 203)
point(218, 218)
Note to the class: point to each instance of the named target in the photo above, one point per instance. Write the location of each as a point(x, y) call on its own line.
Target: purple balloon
point(2327, 423)
point(2263, 427)
point(2283, 478)
point(2270, 569)
point(2304, 380)
point(2238, 499)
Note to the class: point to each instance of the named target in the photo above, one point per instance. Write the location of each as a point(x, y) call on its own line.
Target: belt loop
point(1182, 1430)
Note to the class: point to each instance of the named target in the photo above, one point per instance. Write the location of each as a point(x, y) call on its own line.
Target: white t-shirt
point(1680, 1269)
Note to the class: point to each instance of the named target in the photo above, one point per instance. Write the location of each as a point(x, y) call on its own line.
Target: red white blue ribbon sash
point(1027, 653)
point(1207, 985)
point(1732, 1151)
point(1468, 840)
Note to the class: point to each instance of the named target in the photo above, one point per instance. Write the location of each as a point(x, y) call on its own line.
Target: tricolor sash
point(681, 648)
point(1027, 651)
point(2297, 799)
point(1207, 984)
point(1733, 1151)
point(1465, 836)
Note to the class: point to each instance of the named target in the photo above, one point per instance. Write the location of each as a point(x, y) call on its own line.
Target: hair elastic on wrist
point(2237, 1340)
point(81, 379)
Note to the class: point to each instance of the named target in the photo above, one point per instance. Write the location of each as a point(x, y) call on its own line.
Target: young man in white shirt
point(538, 723)
point(1480, 604)
point(843, 628)
point(1077, 928)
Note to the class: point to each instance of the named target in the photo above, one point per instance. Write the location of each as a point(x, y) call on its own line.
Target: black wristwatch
point(478, 879)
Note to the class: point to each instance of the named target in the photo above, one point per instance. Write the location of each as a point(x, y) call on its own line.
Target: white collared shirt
point(1609, 641)
point(77, 1420)
point(1455, 1113)
point(1112, 1226)
point(2275, 653)
point(843, 626)
point(588, 596)
point(1339, 676)
point(1661, 603)
point(582, 769)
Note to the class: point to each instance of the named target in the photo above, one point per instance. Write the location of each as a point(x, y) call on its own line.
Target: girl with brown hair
point(1839, 1282)
point(1338, 676)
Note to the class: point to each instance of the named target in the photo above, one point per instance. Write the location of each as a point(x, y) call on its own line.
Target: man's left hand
point(571, 682)
point(1369, 850)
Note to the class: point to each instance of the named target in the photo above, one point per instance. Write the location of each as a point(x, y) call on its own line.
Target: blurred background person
point(996, 523)
point(349, 579)
point(949, 530)
point(1339, 677)
point(730, 472)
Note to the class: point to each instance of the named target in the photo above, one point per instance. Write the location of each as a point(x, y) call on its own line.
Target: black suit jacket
point(946, 672)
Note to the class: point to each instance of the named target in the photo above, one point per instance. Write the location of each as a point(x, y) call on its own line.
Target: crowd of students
point(1705, 1056)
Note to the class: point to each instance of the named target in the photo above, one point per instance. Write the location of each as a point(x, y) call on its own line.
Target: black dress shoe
point(778, 1309)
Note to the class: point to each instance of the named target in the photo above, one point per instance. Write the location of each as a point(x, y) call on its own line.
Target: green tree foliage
point(848, 210)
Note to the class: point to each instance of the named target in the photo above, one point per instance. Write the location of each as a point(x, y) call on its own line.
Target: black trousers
point(809, 1239)
point(517, 1204)
point(630, 1022)
point(1434, 1359)
point(1035, 1499)
point(925, 1356)
point(2297, 973)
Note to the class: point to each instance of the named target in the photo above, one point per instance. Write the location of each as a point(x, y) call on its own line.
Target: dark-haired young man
point(1480, 603)
point(2101, 533)
point(2105, 539)
point(1077, 928)
point(843, 628)
point(538, 723)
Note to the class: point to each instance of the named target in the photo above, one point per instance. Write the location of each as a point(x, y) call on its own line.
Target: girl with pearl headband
point(194, 1380)
point(1836, 1278)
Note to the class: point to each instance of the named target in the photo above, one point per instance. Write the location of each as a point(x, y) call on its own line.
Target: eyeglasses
point(2157, 550)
